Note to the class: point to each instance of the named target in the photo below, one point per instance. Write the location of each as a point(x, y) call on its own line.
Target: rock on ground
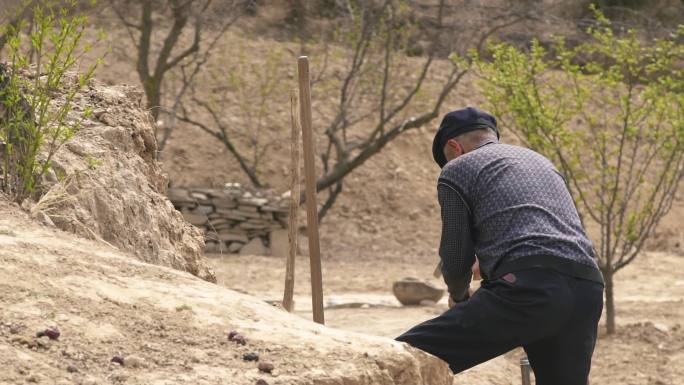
point(412, 291)
point(112, 188)
point(106, 303)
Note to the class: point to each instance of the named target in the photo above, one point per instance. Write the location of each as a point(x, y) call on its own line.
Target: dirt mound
point(166, 326)
point(111, 187)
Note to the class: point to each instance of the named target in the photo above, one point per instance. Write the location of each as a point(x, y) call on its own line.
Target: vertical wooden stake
point(294, 203)
point(310, 175)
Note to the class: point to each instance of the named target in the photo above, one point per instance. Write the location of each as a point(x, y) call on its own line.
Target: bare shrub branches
point(160, 52)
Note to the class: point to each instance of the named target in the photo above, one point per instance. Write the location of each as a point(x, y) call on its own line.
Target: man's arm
point(456, 246)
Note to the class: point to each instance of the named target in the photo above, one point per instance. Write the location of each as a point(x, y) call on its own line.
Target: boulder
point(412, 291)
point(254, 247)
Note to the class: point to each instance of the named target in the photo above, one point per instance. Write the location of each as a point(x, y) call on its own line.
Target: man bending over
point(541, 287)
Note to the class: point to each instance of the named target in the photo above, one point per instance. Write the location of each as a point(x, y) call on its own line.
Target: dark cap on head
point(456, 123)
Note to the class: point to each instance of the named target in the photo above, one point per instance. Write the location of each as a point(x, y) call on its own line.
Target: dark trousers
point(554, 317)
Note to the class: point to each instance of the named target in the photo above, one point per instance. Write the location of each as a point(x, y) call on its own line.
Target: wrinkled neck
point(480, 144)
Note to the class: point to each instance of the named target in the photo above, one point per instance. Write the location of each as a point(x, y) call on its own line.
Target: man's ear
point(455, 146)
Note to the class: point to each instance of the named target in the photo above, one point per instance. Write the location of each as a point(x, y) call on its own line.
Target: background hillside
point(397, 185)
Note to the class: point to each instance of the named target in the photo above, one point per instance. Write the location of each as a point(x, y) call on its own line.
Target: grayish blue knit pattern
point(518, 205)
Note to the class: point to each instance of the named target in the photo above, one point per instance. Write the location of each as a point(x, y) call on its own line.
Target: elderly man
point(541, 287)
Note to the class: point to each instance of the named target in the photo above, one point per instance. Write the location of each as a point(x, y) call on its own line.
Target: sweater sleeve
point(456, 245)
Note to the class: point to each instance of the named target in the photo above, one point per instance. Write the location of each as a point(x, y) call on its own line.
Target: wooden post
point(310, 176)
point(294, 203)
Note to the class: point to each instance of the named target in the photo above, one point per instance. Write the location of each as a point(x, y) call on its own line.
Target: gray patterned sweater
point(509, 206)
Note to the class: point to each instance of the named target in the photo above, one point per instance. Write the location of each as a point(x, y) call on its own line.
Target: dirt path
point(648, 348)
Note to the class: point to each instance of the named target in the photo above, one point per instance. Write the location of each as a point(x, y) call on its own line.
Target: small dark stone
point(265, 367)
point(72, 369)
point(117, 359)
point(251, 357)
point(51, 333)
point(239, 339)
point(261, 381)
point(232, 335)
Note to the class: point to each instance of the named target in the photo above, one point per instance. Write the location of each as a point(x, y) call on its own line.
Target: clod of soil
point(265, 367)
point(43, 342)
point(51, 333)
point(239, 339)
point(133, 362)
point(251, 357)
point(23, 340)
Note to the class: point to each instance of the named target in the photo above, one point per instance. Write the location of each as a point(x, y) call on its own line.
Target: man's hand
point(476, 277)
point(476, 270)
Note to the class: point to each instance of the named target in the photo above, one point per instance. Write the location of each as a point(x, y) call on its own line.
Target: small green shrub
point(38, 65)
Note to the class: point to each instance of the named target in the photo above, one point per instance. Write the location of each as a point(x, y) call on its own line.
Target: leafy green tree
point(32, 126)
point(610, 114)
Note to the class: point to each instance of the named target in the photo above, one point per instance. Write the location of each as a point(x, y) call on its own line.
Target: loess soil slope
point(106, 183)
point(168, 326)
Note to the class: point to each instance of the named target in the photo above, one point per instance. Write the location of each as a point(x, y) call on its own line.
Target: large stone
point(247, 208)
point(179, 196)
point(216, 222)
point(254, 247)
point(274, 208)
point(252, 225)
point(230, 237)
point(212, 247)
point(411, 291)
point(280, 243)
point(233, 215)
point(225, 203)
point(196, 219)
point(209, 192)
point(199, 196)
point(203, 209)
point(253, 201)
point(224, 226)
point(235, 247)
point(248, 214)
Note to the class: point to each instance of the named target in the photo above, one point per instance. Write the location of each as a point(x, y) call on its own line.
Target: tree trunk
point(153, 93)
point(610, 302)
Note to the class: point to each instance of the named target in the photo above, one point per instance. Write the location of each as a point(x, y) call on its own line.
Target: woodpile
point(233, 217)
